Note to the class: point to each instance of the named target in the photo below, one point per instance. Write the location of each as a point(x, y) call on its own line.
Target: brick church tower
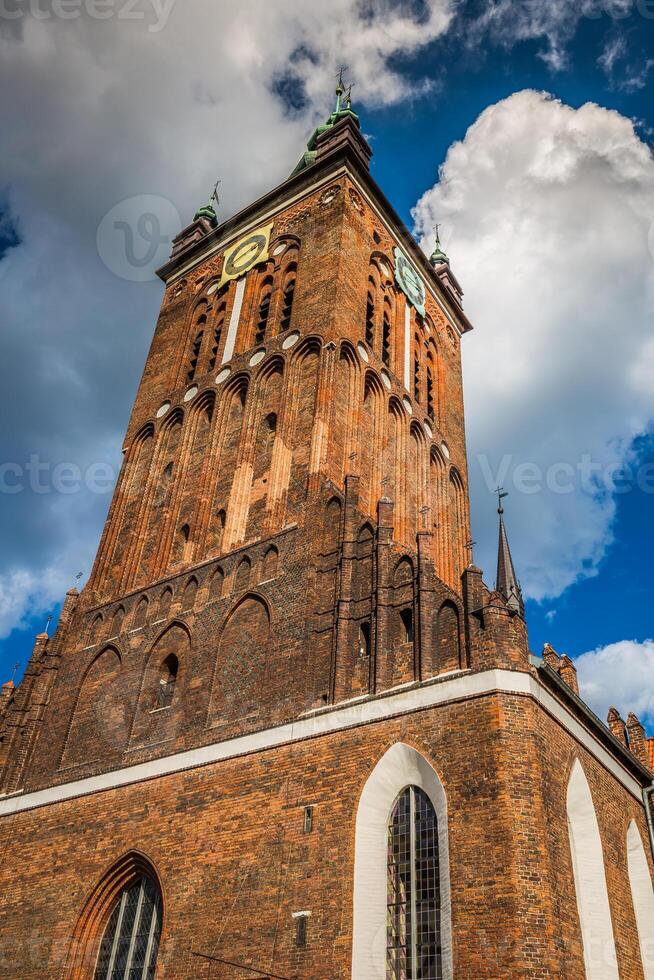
point(286, 731)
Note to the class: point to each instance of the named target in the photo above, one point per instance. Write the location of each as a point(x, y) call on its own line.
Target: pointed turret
point(342, 111)
point(507, 581)
point(438, 257)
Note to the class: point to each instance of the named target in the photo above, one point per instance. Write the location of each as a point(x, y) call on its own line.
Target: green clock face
point(410, 282)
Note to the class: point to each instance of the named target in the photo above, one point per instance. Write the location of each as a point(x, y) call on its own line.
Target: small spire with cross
point(506, 582)
point(438, 256)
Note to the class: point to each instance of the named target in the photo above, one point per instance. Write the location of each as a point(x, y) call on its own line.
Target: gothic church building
point(286, 731)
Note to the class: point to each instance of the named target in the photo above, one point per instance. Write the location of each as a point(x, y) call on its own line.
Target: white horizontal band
point(460, 686)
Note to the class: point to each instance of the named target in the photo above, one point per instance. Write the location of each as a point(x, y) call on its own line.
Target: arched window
point(167, 681)
point(386, 337)
point(413, 947)
point(195, 351)
point(264, 310)
point(402, 906)
point(416, 370)
point(370, 314)
point(131, 940)
point(364, 640)
point(287, 298)
point(406, 625)
point(430, 389)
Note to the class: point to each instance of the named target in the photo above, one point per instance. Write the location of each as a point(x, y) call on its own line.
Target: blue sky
point(437, 84)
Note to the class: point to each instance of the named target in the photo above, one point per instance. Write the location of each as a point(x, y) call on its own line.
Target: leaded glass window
point(413, 945)
point(131, 940)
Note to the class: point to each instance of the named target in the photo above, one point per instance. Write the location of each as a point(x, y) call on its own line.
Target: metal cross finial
point(470, 546)
point(13, 673)
point(340, 89)
point(501, 494)
point(79, 576)
point(215, 196)
point(348, 95)
point(47, 625)
point(437, 229)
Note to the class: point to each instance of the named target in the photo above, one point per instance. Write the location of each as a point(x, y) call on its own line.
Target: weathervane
point(348, 95)
point(340, 88)
point(13, 673)
point(79, 576)
point(215, 197)
point(501, 494)
point(47, 625)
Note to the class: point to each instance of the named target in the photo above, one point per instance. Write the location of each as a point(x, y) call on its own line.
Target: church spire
point(438, 256)
point(342, 111)
point(507, 581)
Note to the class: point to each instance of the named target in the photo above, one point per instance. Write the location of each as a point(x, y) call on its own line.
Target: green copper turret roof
point(207, 212)
point(438, 256)
point(339, 113)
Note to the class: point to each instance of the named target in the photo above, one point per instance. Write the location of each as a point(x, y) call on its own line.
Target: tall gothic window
point(370, 314)
point(413, 946)
point(264, 311)
point(131, 940)
point(386, 339)
point(287, 298)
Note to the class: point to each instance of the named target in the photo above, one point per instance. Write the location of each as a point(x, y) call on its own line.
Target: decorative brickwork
point(287, 552)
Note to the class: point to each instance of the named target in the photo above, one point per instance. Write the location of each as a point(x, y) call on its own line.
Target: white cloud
point(546, 212)
point(619, 675)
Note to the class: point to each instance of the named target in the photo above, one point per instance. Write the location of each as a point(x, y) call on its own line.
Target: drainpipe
point(647, 792)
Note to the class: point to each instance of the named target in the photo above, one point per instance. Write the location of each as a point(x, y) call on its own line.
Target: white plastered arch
point(400, 767)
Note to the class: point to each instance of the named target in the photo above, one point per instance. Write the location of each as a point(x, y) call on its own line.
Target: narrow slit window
point(406, 620)
point(308, 819)
point(167, 682)
point(364, 640)
point(301, 930)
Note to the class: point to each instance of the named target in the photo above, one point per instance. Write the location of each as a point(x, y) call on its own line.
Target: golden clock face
point(246, 253)
point(410, 282)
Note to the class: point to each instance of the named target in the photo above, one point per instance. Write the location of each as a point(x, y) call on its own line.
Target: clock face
point(246, 253)
point(410, 282)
